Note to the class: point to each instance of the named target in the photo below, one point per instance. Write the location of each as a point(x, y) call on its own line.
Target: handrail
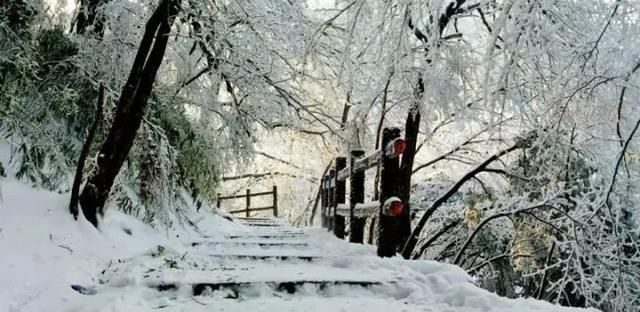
point(335, 209)
point(392, 149)
point(245, 195)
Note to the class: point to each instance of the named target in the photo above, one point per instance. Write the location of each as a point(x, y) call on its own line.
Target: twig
point(66, 247)
point(198, 302)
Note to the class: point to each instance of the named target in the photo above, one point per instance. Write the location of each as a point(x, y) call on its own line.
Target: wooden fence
point(247, 210)
point(388, 209)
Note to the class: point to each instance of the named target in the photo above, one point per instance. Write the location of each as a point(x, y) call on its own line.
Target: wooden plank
point(262, 193)
point(251, 209)
point(245, 195)
point(362, 164)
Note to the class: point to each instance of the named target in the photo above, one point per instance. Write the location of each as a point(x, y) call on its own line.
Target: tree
point(129, 111)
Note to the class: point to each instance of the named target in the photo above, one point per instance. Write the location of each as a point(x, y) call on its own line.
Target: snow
point(44, 251)
point(360, 210)
point(366, 209)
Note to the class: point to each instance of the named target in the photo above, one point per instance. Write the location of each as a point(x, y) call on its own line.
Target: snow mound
point(43, 250)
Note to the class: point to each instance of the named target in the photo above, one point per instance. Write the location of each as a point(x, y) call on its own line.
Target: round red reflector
point(396, 208)
point(399, 146)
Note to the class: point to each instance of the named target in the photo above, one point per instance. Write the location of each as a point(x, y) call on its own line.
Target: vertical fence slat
point(248, 202)
point(275, 201)
point(218, 201)
point(338, 220)
point(331, 203)
point(356, 195)
point(323, 202)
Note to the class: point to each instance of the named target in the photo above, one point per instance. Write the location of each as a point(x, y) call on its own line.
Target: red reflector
point(399, 146)
point(396, 208)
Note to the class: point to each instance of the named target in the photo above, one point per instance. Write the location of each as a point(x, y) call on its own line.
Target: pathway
point(273, 267)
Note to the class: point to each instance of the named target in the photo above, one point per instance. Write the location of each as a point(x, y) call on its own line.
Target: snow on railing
point(360, 210)
point(366, 209)
point(333, 192)
point(394, 149)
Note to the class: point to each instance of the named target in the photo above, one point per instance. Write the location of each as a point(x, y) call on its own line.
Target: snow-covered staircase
point(274, 256)
point(270, 266)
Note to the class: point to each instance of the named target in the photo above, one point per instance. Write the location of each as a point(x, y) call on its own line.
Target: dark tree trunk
point(86, 147)
point(412, 125)
point(412, 128)
point(130, 110)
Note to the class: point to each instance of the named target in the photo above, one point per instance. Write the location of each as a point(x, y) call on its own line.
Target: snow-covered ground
point(43, 251)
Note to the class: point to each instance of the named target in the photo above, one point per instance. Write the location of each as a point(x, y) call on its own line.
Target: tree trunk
point(411, 130)
point(130, 110)
point(84, 153)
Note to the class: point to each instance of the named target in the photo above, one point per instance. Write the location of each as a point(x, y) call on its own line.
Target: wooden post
point(248, 202)
point(330, 204)
point(323, 201)
point(275, 201)
point(338, 220)
point(388, 226)
point(356, 196)
point(325, 188)
point(218, 201)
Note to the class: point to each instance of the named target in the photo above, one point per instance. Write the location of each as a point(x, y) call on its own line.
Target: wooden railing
point(247, 210)
point(387, 209)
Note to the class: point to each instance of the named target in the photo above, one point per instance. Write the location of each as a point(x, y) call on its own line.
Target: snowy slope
point(43, 251)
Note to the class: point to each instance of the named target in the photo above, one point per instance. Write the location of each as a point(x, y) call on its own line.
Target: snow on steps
point(253, 242)
point(44, 251)
point(283, 277)
point(332, 275)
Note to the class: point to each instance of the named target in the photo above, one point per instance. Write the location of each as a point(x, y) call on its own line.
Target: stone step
point(260, 243)
point(281, 278)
